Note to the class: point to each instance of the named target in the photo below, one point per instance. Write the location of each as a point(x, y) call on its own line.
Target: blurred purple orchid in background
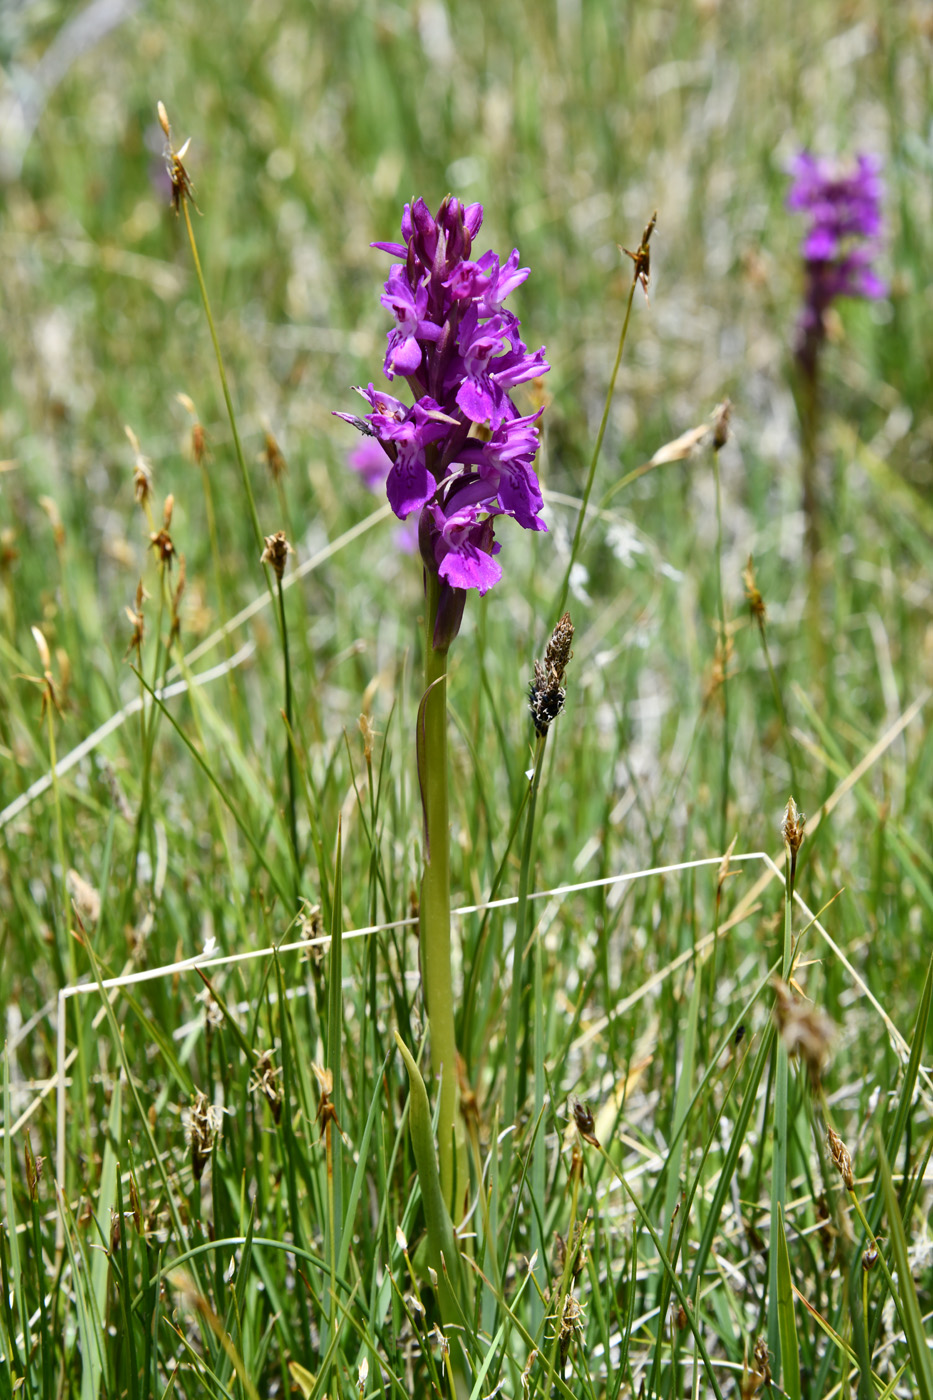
point(460, 455)
point(840, 243)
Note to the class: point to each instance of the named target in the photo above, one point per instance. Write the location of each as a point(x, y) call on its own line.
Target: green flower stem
point(724, 652)
point(289, 747)
point(434, 921)
point(779, 1157)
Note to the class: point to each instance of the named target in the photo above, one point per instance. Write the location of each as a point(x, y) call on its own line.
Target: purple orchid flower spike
point(460, 455)
point(845, 223)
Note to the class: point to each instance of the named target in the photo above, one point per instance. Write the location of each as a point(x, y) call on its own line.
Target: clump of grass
point(643, 1155)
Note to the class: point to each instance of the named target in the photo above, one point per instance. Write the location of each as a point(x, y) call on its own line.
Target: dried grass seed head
point(161, 542)
point(142, 470)
point(273, 457)
point(85, 898)
point(264, 1081)
point(547, 694)
point(199, 448)
point(55, 519)
point(720, 419)
point(175, 164)
point(276, 553)
point(755, 601)
point(642, 255)
point(202, 1128)
point(792, 825)
point(805, 1030)
point(841, 1159)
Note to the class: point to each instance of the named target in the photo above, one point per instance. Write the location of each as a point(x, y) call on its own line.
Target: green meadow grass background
point(572, 122)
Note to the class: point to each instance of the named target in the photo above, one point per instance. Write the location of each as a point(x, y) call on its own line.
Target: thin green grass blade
point(671, 1273)
point(779, 1151)
point(106, 1201)
point(910, 1307)
point(359, 1176)
point(89, 1337)
point(787, 1322)
point(334, 1053)
point(125, 1294)
point(16, 1263)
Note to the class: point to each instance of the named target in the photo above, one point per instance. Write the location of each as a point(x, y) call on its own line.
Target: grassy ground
point(280, 1265)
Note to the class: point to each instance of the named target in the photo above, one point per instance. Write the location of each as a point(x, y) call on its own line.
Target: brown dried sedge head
point(52, 695)
point(642, 255)
point(326, 1112)
point(161, 542)
point(202, 1126)
point(546, 694)
point(755, 601)
point(142, 470)
point(273, 458)
point(276, 553)
point(585, 1122)
point(175, 164)
point(792, 825)
point(34, 1167)
point(759, 1373)
point(841, 1159)
point(263, 1081)
point(721, 415)
point(805, 1030)
point(199, 448)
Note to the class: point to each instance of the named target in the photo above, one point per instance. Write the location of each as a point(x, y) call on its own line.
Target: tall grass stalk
point(518, 1048)
point(723, 650)
point(290, 739)
point(793, 830)
point(641, 260)
point(182, 198)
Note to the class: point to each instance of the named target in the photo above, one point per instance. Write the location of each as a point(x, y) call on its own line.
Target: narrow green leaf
point(442, 1247)
point(787, 1322)
point(909, 1305)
